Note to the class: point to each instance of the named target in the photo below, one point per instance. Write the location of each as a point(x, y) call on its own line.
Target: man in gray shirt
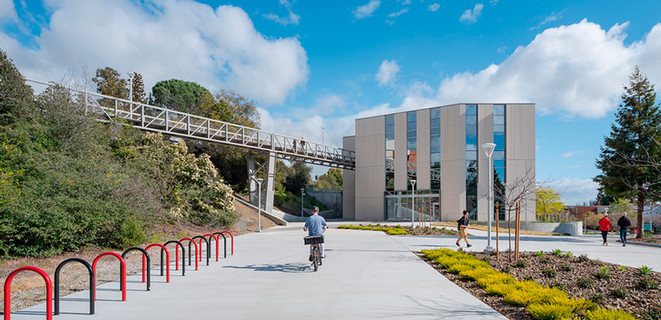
point(315, 225)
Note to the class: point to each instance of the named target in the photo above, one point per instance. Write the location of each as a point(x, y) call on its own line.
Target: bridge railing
point(158, 119)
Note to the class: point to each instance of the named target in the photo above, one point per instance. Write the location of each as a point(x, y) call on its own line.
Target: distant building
point(440, 149)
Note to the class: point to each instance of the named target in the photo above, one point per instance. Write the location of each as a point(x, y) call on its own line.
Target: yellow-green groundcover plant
point(390, 231)
point(542, 302)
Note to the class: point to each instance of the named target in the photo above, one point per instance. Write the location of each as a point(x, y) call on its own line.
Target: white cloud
point(163, 40)
point(470, 16)
point(398, 13)
point(7, 11)
point(366, 10)
point(434, 7)
point(569, 154)
point(554, 16)
point(574, 70)
point(575, 191)
point(292, 18)
point(387, 72)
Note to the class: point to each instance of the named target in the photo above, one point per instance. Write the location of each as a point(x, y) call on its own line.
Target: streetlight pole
point(488, 150)
point(131, 75)
point(259, 204)
point(302, 195)
point(323, 131)
point(413, 181)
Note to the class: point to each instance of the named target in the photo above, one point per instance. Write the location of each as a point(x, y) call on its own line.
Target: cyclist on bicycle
point(316, 225)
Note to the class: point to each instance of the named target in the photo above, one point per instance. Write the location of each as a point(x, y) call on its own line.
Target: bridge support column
point(270, 183)
point(252, 184)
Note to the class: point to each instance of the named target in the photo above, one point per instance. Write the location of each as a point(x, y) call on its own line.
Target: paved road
point(367, 275)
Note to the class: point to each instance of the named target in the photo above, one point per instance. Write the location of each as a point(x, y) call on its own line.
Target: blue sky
point(313, 64)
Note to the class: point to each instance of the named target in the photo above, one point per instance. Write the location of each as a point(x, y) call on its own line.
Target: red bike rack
point(189, 250)
point(49, 291)
point(224, 241)
point(167, 257)
point(232, 237)
point(122, 270)
point(208, 247)
point(183, 256)
point(144, 255)
point(211, 236)
point(57, 283)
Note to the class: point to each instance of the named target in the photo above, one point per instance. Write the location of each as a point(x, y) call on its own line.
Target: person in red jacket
point(605, 226)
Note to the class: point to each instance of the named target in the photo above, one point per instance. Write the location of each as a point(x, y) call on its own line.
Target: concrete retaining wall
point(570, 228)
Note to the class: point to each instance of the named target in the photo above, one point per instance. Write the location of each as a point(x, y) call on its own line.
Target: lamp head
point(488, 148)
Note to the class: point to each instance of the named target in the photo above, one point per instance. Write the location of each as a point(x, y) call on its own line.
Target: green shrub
point(558, 285)
point(569, 254)
point(458, 267)
point(597, 298)
point(550, 311)
point(585, 283)
point(539, 253)
point(651, 313)
point(605, 314)
point(477, 273)
point(566, 267)
point(499, 288)
point(583, 258)
point(549, 272)
point(644, 270)
point(621, 268)
point(620, 293)
point(556, 252)
point(603, 273)
point(647, 282)
point(521, 264)
point(506, 269)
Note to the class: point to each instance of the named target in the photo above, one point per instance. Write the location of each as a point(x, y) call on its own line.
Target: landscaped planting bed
point(552, 285)
point(403, 230)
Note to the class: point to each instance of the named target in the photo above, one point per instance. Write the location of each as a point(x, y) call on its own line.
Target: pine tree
point(627, 159)
point(138, 89)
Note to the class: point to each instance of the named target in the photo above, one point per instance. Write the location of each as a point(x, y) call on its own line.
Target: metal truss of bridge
point(189, 126)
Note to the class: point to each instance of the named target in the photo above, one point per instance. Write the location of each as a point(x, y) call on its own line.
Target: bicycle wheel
point(315, 254)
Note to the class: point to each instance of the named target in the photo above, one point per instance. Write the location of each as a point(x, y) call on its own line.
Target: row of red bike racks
point(146, 267)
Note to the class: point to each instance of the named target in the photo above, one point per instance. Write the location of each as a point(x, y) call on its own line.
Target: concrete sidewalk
point(367, 275)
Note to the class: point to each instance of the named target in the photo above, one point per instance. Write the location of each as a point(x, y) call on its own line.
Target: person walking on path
point(624, 224)
point(605, 226)
point(316, 225)
point(462, 224)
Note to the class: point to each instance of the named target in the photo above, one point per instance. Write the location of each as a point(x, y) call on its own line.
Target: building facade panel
point(423, 151)
point(349, 183)
point(370, 167)
point(485, 135)
point(520, 154)
point(400, 152)
point(453, 144)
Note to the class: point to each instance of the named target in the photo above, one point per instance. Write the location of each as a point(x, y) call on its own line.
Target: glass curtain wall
point(411, 146)
point(471, 160)
point(435, 148)
point(390, 152)
point(499, 157)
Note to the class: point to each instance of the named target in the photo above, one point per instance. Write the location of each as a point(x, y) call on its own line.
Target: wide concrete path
point(367, 275)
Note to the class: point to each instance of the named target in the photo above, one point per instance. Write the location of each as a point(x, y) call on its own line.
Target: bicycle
point(314, 242)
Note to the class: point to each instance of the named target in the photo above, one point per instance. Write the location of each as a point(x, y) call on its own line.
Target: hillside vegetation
point(67, 182)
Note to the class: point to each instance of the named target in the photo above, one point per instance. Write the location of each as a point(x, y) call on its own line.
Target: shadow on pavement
point(287, 268)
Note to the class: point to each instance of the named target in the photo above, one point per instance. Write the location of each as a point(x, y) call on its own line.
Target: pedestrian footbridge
point(189, 126)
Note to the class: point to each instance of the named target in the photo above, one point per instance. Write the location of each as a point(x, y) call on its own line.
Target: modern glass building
point(437, 151)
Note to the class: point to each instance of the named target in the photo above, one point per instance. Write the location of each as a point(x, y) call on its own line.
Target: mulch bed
point(564, 272)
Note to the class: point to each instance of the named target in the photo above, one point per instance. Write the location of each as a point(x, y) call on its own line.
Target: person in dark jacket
point(624, 224)
point(462, 224)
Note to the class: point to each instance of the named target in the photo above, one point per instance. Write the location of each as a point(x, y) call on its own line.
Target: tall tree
point(548, 201)
point(14, 93)
point(604, 199)
point(300, 178)
point(330, 180)
point(180, 95)
point(109, 82)
point(138, 89)
point(627, 157)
